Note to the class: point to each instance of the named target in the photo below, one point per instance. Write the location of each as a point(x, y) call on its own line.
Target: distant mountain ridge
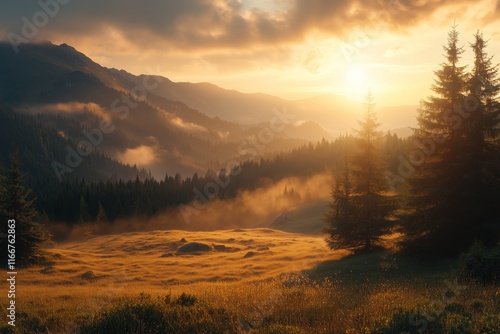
point(163, 135)
point(175, 127)
point(334, 113)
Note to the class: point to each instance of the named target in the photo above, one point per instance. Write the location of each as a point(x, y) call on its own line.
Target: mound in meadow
point(194, 248)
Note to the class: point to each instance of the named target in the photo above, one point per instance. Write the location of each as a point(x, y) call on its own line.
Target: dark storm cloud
point(189, 24)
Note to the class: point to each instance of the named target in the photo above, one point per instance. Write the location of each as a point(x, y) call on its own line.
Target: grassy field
point(244, 280)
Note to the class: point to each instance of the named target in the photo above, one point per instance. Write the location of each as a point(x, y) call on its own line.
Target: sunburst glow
point(356, 75)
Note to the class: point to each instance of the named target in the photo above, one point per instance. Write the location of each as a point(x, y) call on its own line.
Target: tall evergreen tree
point(83, 211)
point(101, 217)
point(361, 218)
point(482, 150)
point(445, 189)
point(339, 219)
point(30, 236)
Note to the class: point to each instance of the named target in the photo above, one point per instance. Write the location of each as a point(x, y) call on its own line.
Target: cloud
point(144, 154)
point(188, 126)
point(71, 108)
point(207, 24)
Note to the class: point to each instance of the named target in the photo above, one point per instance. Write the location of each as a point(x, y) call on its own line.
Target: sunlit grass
point(292, 283)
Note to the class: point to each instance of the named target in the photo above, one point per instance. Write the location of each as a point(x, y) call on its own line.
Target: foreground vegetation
point(380, 292)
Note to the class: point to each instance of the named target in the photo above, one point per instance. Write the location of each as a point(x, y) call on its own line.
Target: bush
point(411, 322)
point(456, 308)
point(141, 316)
point(490, 324)
point(477, 306)
point(7, 329)
point(186, 300)
point(149, 316)
point(481, 264)
point(455, 320)
point(458, 324)
point(281, 329)
point(30, 324)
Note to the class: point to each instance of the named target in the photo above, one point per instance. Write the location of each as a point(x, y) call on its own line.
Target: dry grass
point(279, 288)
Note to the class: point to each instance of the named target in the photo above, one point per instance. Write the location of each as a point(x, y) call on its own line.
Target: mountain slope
point(157, 133)
point(43, 151)
point(214, 101)
point(334, 113)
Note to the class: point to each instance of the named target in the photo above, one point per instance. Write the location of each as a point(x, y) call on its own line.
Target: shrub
point(458, 324)
point(489, 324)
point(7, 329)
point(481, 264)
point(134, 316)
point(411, 322)
point(147, 315)
point(30, 323)
point(186, 300)
point(456, 308)
point(477, 306)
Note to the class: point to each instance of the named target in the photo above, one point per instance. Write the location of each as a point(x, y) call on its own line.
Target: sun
point(356, 75)
point(356, 82)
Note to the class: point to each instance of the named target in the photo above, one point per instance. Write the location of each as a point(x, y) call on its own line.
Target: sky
point(290, 48)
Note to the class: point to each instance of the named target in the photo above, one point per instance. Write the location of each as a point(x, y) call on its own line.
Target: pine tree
point(83, 211)
point(444, 190)
point(30, 236)
point(101, 214)
point(360, 217)
point(339, 220)
point(482, 156)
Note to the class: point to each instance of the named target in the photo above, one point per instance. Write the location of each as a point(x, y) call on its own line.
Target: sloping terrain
point(151, 131)
point(306, 219)
point(164, 258)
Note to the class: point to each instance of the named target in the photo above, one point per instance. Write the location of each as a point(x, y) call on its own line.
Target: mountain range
point(164, 126)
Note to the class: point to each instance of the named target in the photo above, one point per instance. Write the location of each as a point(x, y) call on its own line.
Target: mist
point(250, 209)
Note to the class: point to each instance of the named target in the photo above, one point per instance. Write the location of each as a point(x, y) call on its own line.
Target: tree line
point(80, 200)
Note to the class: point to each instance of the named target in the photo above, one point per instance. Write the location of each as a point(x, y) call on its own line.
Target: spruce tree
point(84, 215)
point(339, 220)
point(30, 236)
point(360, 216)
point(101, 217)
point(482, 156)
point(444, 201)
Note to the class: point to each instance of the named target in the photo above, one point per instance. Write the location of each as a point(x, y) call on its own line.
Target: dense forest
point(132, 192)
